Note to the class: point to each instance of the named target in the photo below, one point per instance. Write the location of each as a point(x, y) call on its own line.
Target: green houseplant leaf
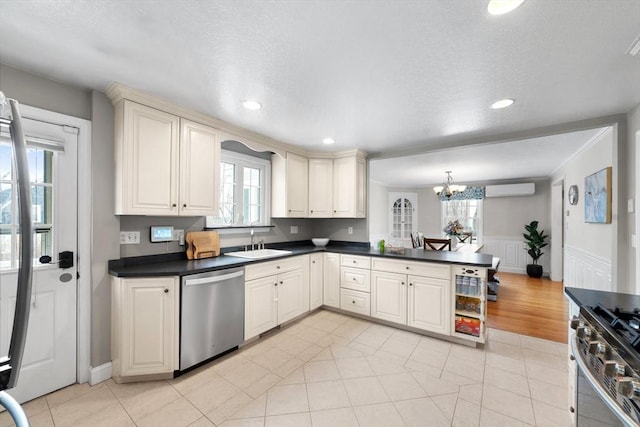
point(535, 241)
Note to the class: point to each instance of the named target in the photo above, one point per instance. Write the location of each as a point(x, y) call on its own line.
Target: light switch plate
point(350, 230)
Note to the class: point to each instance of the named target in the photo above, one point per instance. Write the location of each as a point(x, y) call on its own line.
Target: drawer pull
point(354, 261)
point(354, 279)
point(407, 267)
point(410, 284)
point(402, 283)
point(353, 302)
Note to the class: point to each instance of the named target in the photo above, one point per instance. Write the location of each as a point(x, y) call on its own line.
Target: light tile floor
point(330, 369)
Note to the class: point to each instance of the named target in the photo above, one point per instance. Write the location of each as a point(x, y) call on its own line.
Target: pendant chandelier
point(448, 188)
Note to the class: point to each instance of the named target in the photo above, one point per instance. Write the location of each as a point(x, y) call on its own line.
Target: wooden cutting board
point(202, 244)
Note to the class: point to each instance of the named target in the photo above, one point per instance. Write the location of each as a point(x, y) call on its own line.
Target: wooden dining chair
point(437, 244)
point(466, 237)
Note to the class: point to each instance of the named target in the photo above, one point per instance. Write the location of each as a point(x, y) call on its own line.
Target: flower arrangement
point(453, 228)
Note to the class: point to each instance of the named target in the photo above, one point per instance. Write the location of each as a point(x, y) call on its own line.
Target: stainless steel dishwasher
point(211, 315)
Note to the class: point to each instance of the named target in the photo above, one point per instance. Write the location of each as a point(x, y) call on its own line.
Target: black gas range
point(607, 349)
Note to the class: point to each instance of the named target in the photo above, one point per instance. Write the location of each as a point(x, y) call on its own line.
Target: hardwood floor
point(533, 307)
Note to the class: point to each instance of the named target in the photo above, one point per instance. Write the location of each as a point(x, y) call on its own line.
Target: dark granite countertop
point(589, 297)
point(176, 264)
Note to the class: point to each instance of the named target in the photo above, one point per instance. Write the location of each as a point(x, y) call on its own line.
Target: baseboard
point(100, 373)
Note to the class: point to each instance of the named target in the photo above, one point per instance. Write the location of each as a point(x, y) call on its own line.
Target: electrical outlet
point(294, 229)
point(179, 236)
point(630, 205)
point(129, 237)
point(350, 230)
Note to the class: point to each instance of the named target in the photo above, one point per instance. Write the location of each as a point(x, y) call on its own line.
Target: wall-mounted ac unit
point(510, 190)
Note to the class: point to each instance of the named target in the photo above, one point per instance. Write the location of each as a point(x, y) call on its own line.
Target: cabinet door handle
point(184, 205)
point(402, 283)
point(410, 284)
point(281, 283)
point(277, 266)
point(173, 205)
point(311, 211)
point(353, 302)
point(407, 267)
point(275, 284)
point(166, 291)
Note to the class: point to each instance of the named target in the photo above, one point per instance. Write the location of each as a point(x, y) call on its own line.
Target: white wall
point(632, 284)
point(586, 244)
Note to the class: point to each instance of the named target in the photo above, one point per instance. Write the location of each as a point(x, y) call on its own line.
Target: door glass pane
point(6, 191)
point(5, 161)
point(5, 248)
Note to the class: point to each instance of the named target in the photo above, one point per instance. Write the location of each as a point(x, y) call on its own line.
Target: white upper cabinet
point(349, 187)
point(199, 169)
point(321, 188)
point(289, 186)
point(337, 187)
point(165, 165)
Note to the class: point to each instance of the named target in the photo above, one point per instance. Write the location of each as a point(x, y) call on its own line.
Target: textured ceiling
point(381, 76)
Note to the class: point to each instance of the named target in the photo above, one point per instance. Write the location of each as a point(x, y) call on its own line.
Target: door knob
point(65, 259)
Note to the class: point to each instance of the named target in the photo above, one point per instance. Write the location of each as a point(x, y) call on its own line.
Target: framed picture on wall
point(597, 197)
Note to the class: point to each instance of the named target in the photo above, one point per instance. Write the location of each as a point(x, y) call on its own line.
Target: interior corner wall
point(632, 284)
point(105, 226)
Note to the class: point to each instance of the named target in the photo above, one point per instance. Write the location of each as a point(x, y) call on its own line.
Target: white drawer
point(263, 269)
point(355, 261)
point(355, 301)
point(417, 268)
point(357, 279)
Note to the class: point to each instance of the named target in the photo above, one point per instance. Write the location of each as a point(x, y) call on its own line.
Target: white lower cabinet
point(355, 284)
point(315, 280)
point(355, 301)
point(272, 299)
point(389, 296)
point(429, 304)
point(260, 306)
point(144, 327)
point(331, 280)
point(417, 301)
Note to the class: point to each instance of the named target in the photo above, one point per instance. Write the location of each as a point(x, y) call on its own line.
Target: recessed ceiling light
point(328, 141)
point(503, 103)
point(252, 105)
point(500, 7)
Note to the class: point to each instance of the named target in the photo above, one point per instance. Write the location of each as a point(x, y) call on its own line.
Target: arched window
point(403, 217)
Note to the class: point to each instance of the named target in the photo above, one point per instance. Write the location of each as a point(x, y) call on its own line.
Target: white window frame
point(241, 161)
point(477, 234)
point(413, 199)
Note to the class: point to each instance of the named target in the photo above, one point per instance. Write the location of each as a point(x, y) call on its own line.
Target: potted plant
point(535, 241)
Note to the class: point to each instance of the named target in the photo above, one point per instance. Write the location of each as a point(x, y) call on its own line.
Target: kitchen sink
point(259, 253)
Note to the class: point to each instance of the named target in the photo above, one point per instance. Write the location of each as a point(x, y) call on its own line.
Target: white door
point(49, 360)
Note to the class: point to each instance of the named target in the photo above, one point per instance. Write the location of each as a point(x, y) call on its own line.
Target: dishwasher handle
point(212, 279)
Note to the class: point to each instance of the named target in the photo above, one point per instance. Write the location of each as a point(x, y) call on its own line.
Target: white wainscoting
point(586, 271)
point(512, 253)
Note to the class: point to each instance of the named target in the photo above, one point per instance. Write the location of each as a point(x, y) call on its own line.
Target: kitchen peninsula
point(438, 293)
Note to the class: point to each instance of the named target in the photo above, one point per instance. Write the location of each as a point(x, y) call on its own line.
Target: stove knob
point(628, 387)
point(594, 347)
point(613, 369)
point(575, 322)
point(583, 332)
point(602, 348)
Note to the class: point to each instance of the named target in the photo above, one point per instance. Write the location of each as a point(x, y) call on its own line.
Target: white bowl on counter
point(320, 241)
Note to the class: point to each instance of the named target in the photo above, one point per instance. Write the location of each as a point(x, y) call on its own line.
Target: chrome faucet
point(251, 233)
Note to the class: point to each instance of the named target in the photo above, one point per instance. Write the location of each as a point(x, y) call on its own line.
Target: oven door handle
point(607, 399)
